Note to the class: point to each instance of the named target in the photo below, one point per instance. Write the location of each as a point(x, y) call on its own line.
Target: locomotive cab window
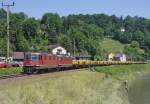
point(35, 57)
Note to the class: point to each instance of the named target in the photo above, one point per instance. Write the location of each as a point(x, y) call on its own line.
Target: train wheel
point(35, 71)
point(58, 69)
point(30, 71)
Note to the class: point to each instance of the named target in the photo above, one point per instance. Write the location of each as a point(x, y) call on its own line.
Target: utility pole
point(74, 47)
point(8, 28)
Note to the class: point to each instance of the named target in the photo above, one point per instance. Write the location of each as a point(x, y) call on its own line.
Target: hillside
point(80, 32)
point(112, 45)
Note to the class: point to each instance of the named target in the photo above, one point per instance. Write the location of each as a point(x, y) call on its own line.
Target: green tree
point(135, 44)
point(30, 28)
point(134, 51)
point(52, 24)
point(139, 36)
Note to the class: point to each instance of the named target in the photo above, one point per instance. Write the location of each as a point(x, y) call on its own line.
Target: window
point(27, 56)
point(59, 51)
point(35, 57)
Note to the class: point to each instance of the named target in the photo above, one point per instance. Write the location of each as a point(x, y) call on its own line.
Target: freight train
point(43, 62)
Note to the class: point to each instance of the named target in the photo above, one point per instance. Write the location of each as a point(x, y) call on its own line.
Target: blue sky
point(36, 8)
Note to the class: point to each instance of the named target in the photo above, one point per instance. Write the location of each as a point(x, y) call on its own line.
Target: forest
point(80, 33)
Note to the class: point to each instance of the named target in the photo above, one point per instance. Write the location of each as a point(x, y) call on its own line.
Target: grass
point(122, 69)
point(112, 45)
point(65, 88)
point(8, 71)
point(77, 87)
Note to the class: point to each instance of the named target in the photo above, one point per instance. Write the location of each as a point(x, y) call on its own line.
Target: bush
point(9, 71)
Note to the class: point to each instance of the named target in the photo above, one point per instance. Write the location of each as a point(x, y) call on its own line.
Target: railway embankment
point(108, 85)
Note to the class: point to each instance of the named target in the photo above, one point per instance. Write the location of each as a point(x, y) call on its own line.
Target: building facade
point(57, 50)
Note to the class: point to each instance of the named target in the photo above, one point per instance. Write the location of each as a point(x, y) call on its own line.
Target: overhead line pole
point(8, 28)
point(74, 47)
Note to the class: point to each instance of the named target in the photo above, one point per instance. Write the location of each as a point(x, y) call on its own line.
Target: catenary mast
point(8, 28)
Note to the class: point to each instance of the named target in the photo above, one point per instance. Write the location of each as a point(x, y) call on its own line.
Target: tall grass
point(81, 87)
point(67, 88)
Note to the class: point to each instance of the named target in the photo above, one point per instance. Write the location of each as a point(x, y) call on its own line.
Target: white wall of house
point(60, 50)
point(123, 58)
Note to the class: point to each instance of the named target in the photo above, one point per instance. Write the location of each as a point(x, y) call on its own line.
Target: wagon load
point(18, 55)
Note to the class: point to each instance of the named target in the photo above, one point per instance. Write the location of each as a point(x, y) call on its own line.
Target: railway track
point(20, 75)
point(13, 76)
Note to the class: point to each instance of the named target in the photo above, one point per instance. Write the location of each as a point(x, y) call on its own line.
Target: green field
point(122, 69)
point(69, 87)
point(112, 45)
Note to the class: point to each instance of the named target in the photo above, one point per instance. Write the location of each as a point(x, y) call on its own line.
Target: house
point(110, 56)
point(120, 57)
point(107, 56)
point(83, 57)
point(57, 50)
point(104, 55)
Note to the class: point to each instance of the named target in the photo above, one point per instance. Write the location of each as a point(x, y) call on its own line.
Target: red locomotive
point(39, 62)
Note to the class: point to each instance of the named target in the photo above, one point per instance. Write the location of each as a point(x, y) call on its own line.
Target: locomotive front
point(31, 60)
